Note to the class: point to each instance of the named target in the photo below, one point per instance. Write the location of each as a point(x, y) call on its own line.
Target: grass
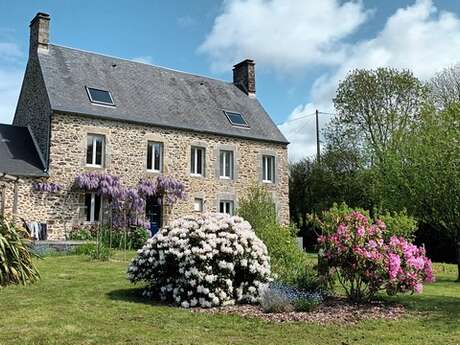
point(82, 302)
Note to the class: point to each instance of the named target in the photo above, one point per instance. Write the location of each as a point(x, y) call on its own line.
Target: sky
point(302, 48)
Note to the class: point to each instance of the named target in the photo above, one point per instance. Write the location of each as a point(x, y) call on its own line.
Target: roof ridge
point(141, 63)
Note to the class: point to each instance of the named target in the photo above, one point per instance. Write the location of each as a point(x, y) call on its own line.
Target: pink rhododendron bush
point(203, 260)
point(366, 263)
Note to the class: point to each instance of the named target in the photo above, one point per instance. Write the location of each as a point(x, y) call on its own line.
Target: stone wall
point(33, 107)
point(125, 156)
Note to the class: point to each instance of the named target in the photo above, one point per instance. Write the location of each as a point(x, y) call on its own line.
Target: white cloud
point(285, 34)
point(289, 36)
point(11, 75)
point(9, 51)
point(144, 59)
point(10, 85)
point(419, 37)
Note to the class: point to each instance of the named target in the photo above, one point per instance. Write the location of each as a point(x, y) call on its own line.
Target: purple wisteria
point(47, 187)
point(166, 189)
point(106, 185)
point(128, 204)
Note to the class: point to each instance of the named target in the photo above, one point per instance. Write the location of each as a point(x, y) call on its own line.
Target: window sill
point(225, 178)
point(96, 222)
point(268, 182)
point(197, 175)
point(153, 171)
point(94, 166)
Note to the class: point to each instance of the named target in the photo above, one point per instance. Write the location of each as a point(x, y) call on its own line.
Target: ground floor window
point(93, 205)
point(226, 206)
point(198, 205)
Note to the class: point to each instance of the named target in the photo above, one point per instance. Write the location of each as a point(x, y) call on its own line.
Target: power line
point(297, 118)
point(324, 113)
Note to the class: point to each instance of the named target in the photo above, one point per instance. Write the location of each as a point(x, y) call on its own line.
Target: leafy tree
point(445, 87)
point(339, 177)
point(423, 173)
point(375, 108)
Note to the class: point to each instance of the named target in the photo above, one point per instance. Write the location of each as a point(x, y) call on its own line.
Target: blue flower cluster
point(292, 294)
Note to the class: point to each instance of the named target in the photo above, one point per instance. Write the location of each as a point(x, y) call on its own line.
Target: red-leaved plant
point(366, 263)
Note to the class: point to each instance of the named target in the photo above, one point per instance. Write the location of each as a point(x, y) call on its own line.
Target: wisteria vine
point(47, 187)
point(128, 204)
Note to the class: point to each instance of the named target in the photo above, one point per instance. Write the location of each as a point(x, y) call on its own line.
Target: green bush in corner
point(16, 265)
point(288, 261)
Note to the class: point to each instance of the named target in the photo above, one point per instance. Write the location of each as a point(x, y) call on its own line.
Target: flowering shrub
point(365, 262)
point(204, 260)
point(128, 204)
point(281, 298)
point(47, 187)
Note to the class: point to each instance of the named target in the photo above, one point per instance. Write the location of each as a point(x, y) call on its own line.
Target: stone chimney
point(39, 33)
point(244, 76)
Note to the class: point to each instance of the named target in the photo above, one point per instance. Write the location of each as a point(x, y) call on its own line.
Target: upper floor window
point(197, 161)
point(226, 164)
point(95, 150)
point(268, 169)
point(99, 96)
point(93, 205)
point(226, 206)
point(154, 156)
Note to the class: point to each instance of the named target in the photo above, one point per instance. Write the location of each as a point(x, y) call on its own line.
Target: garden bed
point(334, 310)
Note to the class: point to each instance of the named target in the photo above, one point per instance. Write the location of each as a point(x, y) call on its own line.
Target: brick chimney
point(244, 76)
point(39, 33)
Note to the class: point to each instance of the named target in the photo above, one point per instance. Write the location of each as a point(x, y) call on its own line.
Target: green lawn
point(82, 302)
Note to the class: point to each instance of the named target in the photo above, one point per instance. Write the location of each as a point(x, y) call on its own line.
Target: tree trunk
point(458, 260)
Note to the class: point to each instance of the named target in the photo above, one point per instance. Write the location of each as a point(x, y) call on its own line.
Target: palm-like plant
point(16, 265)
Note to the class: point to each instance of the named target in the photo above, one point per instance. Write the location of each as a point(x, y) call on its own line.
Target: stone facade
point(125, 156)
point(33, 107)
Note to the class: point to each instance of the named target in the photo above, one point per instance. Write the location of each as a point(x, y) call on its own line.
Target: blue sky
point(302, 48)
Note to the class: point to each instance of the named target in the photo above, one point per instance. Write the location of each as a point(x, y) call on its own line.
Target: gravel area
point(334, 310)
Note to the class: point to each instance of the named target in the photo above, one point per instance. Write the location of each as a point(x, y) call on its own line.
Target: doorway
point(153, 213)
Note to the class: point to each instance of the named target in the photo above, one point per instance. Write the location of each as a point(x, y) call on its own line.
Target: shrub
point(399, 224)
point(95, 251)
point(80, 234)
point(116, 238)
point(203, 260)
point(281, 298)
point(366, 263)
point(16, 265)
point(137, 237)
point(289, 262)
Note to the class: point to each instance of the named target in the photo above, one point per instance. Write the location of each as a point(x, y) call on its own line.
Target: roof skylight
point(99, 96)
point(236, 119)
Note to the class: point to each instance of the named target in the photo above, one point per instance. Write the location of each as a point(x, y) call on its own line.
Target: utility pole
point(317, 136)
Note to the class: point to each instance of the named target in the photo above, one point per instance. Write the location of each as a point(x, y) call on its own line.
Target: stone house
point(80, 111)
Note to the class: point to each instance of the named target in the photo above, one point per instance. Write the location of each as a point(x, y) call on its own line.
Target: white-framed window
point(198, 205)
point(93, 206)
point(226, 206)
point(95, 146)
point(197, 161)
point(226, 164)
point(268, 169)
point(154, 156)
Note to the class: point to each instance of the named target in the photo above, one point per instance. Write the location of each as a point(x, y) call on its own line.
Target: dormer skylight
point(98, 96)
point(236, 119)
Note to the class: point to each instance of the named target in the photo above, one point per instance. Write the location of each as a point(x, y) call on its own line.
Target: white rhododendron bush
point(203, 260)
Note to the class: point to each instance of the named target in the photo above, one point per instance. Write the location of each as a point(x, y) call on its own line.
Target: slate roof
point(19, 153)
point(149, 94)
